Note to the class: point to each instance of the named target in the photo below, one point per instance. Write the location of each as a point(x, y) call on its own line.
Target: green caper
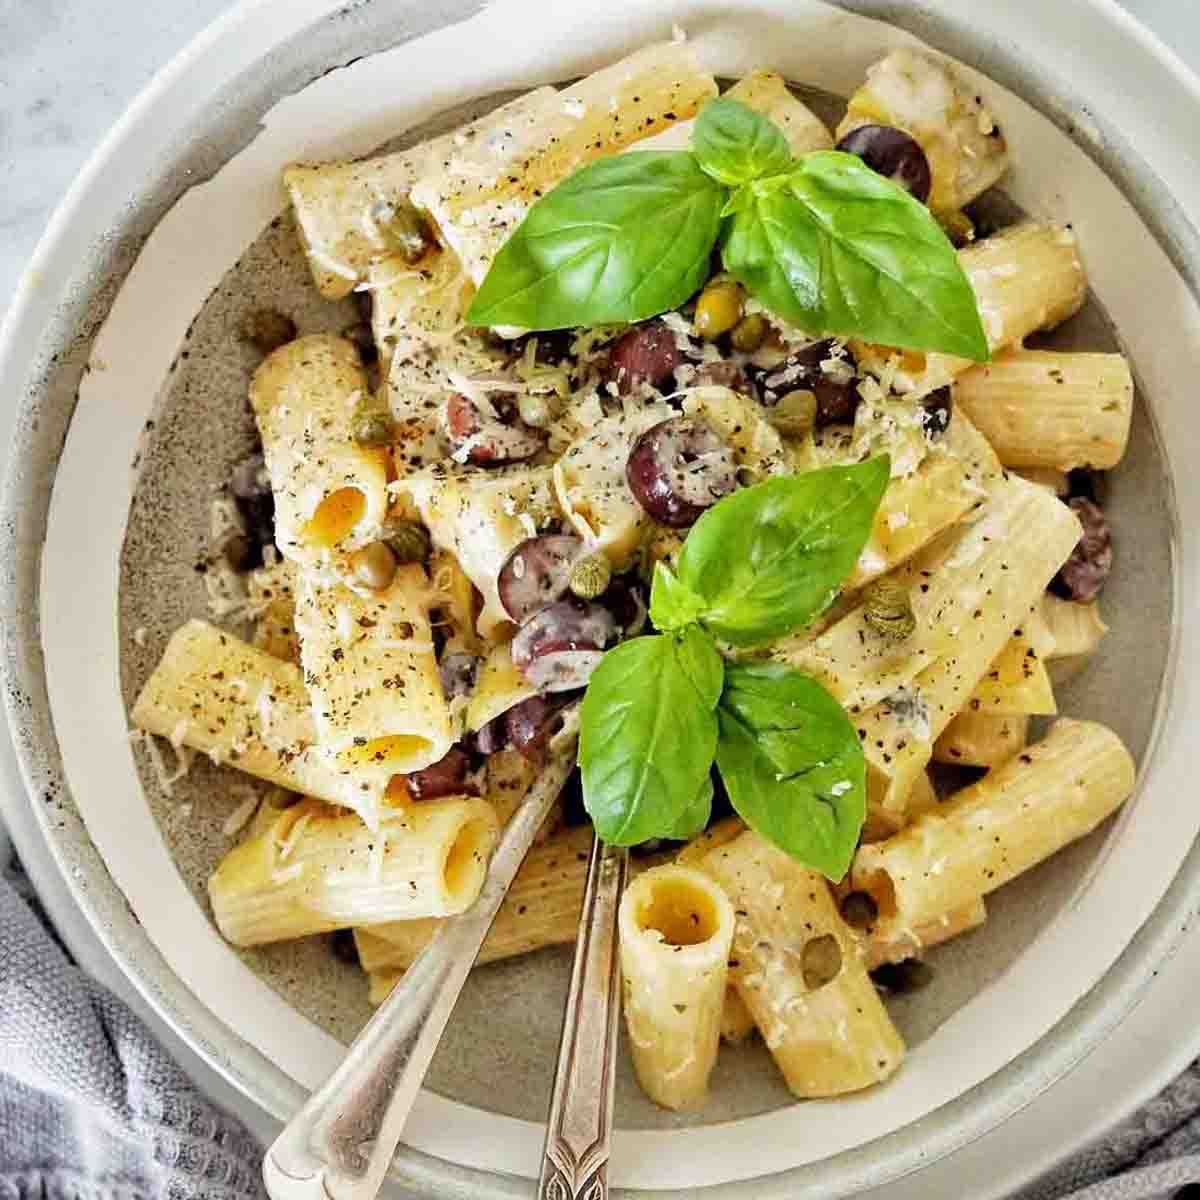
point(538, 409)
point(750, 333)
point(820, 961)
point(719, 308)
point(408, 541)
point(405, 229)
point(888, 609)
point(590, 576)
point(372, 424)
point(374, 566)
point(795, 413)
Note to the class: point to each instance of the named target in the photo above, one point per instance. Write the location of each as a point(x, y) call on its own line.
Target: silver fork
point(340, 1144)
point(579, 1131)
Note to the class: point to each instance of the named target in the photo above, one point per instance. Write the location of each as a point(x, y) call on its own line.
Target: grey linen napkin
point(92, 1108)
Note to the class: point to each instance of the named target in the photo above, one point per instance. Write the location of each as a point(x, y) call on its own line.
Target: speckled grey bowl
point(499, 1051)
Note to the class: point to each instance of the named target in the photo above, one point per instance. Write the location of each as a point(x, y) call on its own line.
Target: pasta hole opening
point(398, 752)
point(466, 861)
point(820, 961)
point(681, 912)
point(336, 516)
point(878, 885)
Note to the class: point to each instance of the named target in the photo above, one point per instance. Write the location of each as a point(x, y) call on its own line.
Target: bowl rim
point(26, 499)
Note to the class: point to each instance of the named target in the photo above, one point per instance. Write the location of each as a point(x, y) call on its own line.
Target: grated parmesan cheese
point(240, 817)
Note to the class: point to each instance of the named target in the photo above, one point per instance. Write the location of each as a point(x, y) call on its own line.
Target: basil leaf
point(701, 662)
point(792, 764)
point(735, 144)
point(646, 742)
point(768, 558)
point(672, 604)
point(623, 239)
point(696, 817)
point(842, 250)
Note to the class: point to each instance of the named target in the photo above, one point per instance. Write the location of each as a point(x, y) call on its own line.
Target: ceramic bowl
point(121, 350)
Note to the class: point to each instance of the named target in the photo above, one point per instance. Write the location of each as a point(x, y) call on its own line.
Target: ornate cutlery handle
point(578, 1135)
point(340, 1144)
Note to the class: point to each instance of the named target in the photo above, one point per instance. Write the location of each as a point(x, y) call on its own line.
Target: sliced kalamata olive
point(458, 670)
point(1083, 481)
point(936, 410)
point(485, 440)
point(678, 468)
point(536, 573)
point(530, 725)
point(1083, 575)
point(648, 353)
point(446, 777)
point(489, 738)
point(892, 153)
point(626, 600)
point(823, 368)
point(562, 644)
point(251, 488)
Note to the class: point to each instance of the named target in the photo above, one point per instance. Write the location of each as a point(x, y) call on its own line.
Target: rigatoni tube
point(979, 739)
point(1019, 814)
point(799, 968)
point(316, 869)
point(676, 928)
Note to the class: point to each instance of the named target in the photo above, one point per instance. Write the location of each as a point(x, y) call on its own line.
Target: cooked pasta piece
point(979, 739)
point(1019, 814)
point(330, 492)
point(373, 677)
point(318, 869)
point(767, 92)
point(456, 604)
point(271, 597)
point(479, 192)
point(1017, 683)
point(676, 929)
point(242, 706)
point(921, 797)
point(480, 517)
point(1055, 482)
point(1074, 629)
point(717, 834)
point(1002, 563)
point(498, 687)
point(799, 969)
point(589, 480)
point(541, 909)
point(923, 95)
point(1042, 408)
point(1026, 278)
point(891, 945)
point(737, 1022)
point(741, 421)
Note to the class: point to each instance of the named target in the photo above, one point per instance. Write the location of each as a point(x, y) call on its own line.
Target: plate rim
point(1155, 938)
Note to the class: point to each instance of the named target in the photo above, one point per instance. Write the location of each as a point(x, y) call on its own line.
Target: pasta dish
point(690, 436)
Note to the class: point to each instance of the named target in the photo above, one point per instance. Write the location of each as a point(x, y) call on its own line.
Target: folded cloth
point(91, 1107)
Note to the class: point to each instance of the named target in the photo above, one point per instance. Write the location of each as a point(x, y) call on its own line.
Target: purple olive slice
point(826, 370)
point(559, 647)
point(530, 725)
point(458, 671)
point(678, 468)
point(892, 153)
point(485, 440)
point(446, 777)
point(648, 353)
point(536, 573)
point(1084, 574)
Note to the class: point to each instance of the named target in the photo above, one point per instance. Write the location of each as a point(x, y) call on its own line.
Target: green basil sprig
point(822, 240)
point(660, 709)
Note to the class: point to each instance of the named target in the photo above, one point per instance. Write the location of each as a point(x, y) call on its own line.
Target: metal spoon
point(340, 1144)
point(579, 1131)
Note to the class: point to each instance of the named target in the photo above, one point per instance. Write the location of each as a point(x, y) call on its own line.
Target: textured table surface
point(68, 68)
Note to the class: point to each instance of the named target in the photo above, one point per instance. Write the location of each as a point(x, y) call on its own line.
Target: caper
point(590, 576)
point(820, 961)
point(750, 333)
point(538, 409)
point(266, 330)
point(795, 413)
point(719, 309)
point(372, 424)
point(888, 609)
point(374, 566)
point(404, 228)
point(408, 541)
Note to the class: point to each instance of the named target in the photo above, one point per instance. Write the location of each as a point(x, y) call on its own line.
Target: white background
point(67, 70)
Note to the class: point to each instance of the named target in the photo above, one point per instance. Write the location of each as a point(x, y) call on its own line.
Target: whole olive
point(719, 308)
point(374, 566)
point(892, 153)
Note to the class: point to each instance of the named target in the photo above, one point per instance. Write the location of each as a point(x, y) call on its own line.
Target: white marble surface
point(67, 70)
